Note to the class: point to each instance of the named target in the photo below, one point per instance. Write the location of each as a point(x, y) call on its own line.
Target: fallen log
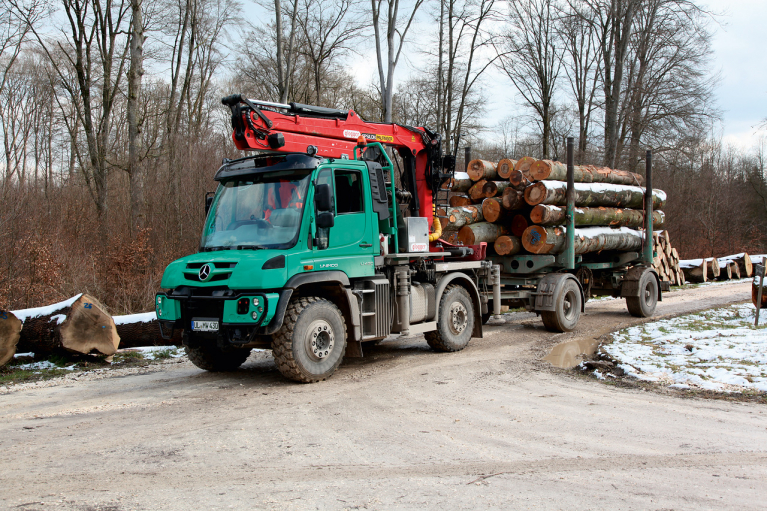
point(80, 324)
point(495, 188)
point(695, 270)
point(461, 216)
point(137, 330)
point(557, 171)
point(545, 214)
point(519, 224)
point(482, 169)
point(481, 232)
point(734, 270)
point(713, 267)
point(493, 210)
point(10, 329)
point(507, 245)
point(725, 271)
point(592, 194)
point(513, 199)
point(539, 239)
point(743, 261)
point(505, 168)
point(519, 181)
point(476, 192)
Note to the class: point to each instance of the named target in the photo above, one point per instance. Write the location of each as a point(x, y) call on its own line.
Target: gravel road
point(491, 427)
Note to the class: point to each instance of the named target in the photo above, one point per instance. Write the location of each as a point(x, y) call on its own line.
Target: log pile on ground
point(78, 325)
point(518, 206)
point(666, 260)
point(735, 266)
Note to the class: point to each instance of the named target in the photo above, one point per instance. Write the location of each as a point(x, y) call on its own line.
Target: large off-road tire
point(456, 321)
point(643, 306)
point(311, 343)
point(213, 358)
point(567, 309)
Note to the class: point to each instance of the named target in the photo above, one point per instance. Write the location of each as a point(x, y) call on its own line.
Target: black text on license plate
point(205, 326)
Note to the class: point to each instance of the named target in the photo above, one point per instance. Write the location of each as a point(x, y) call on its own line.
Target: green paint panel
point(167, 308)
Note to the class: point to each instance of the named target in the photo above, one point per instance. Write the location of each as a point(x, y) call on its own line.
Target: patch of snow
point(59, 318)
point(719, 350)
point(150, 352)
point(42, 365)
point(36, 312)
point(20, 355)
point(598, 374)
point(144, 317)
point(461, 175)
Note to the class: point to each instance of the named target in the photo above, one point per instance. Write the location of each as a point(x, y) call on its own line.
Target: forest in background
point(112, 123)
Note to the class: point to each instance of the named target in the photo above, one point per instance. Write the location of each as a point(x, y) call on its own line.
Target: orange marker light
point(361, 141)
point(308, 267)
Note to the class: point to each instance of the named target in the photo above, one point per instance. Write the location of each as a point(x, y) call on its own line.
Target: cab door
point(350, 242)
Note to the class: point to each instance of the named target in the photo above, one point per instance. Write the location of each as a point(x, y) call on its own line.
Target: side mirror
point(323, 198)
point(326, 219)
point(208, 202)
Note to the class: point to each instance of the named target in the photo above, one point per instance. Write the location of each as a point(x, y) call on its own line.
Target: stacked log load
point(518, 206)
point(735, 266)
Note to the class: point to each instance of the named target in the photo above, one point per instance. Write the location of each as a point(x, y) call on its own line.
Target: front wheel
point(213, 358)
point(455, 323)
point(643, 306)
point(311, 343)
point(567, 309)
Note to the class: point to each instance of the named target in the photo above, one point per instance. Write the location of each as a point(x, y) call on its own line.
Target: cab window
point(348, 191)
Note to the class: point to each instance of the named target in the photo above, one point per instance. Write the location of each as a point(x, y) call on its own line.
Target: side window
point(348, 191)
point(323, 234)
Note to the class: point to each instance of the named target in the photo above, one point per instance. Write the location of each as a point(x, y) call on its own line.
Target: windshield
point(257, 211)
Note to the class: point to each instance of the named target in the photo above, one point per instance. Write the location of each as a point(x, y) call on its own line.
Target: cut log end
point(541, 169)
point(507, 245)
point(524, 163)
point(481, 169)
point(88, 327)
point(519, 224)
point(505, 168)
point(10, 329)
point(535, 194)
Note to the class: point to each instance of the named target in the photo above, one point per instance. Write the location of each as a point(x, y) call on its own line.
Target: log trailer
point(310, 248)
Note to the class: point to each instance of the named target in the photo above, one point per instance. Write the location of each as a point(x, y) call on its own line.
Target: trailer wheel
point(456, 321)
point(213, 358)
point(311, 343)
point(567, 305)
point(643, 306)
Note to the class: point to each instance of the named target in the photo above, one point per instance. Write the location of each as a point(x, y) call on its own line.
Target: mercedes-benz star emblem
point(204, 272)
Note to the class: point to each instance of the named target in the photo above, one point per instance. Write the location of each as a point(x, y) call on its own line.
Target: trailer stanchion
point(648, 251)
point(570, 248)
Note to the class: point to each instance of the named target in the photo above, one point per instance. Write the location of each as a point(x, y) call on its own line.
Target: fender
point(630, 285)
point(548, 288)
point(471, 287)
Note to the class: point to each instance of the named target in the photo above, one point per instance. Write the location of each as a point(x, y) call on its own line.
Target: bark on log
point(460, 183)
point(80, 324)
point(695, 270)
point(495, 188)
point(493, 210)
point(137, 330)
point(507, 245)
point(456, 201)
point(557, 171)
point(476, 192)
point(519, 181)
point(451, 237)
point(481, 232)
point(464, 215)
point(519, 225)
point(592, 194)
point(743, 261)
point(505, 168)
point(734, 270)
point(10, 329)
point(725, 271)
point(544, 214)
point(538, 239)
point(482, 169)
point(513, 199)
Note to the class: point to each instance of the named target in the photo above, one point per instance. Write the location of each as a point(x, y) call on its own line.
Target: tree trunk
point(135, 72)
point(79, 324)
point(538, 239)
point(10, 329)
point(482, 169)
point(457, 201)
point(592, 194)
point(505, 168)
point(507, 245)
point(494, 188)
point(557, 171)
point(137, 330)
point(519, 225)
point(459, 217)
point(476, 192)
point(480, 232)
point(513, 199)
point(493, 210)
point(544, 214)
point(519, 180)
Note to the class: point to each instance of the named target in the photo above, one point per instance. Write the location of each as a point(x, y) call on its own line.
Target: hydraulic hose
point(436, 225)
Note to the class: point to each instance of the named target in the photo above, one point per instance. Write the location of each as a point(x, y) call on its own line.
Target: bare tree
point(135, 72)
point(285, 55)
point(531, 56)
point(396, 35)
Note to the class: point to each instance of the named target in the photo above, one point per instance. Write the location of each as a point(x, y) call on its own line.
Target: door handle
point(366, 245)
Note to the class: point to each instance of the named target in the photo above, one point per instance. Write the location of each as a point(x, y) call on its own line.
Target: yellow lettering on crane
point(384, 138)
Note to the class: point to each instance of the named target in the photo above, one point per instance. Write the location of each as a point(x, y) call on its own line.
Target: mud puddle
point(567, 355)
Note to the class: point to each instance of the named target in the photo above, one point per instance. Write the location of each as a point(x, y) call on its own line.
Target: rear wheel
point(456, 321)
point(213, 358)
point(643, 306)
point(311, 343)
point(567, 309)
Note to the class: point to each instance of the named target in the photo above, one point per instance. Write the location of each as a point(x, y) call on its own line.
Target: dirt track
point(403, 428)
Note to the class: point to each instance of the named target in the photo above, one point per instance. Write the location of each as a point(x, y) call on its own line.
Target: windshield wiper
point(248, 247)
point(212, 249)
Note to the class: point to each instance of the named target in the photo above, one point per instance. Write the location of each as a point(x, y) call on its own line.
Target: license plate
point(205, 326)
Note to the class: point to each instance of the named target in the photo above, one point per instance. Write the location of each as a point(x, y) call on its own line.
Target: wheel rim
point(458, 317)
point(648, 293)
point(568, 305)
point(320, 340)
